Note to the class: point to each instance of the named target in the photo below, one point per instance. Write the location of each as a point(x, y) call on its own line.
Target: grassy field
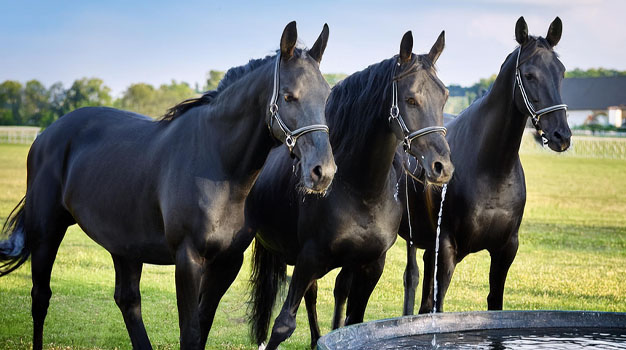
point(572, 256)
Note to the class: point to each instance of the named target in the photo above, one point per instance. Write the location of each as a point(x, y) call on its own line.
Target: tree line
point(34, 104)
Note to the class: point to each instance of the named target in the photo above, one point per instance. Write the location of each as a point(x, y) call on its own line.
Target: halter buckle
point(273, 109)
point(394, 112)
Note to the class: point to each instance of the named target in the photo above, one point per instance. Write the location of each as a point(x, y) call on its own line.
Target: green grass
point(572, 256)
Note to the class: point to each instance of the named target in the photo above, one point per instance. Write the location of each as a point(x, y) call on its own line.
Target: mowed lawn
point(572, 256)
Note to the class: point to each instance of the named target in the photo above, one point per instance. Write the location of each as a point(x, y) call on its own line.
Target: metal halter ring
point(291, 137)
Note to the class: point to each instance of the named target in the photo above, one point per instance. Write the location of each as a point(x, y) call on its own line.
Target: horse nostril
point(557, 135)
point(437, 168)
point(316, 173)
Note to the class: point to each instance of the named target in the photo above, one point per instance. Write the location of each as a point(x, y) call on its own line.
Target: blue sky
point(123, 42)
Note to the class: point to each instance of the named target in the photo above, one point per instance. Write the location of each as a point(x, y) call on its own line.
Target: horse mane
point(355, 102)
point(232, 75)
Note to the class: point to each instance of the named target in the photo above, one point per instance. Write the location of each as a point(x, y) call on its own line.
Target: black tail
point(13, 251)
point(268, 277)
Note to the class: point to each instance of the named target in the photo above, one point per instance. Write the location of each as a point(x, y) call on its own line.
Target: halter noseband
point(534, 114)
point(291, 137)
point(394, 113)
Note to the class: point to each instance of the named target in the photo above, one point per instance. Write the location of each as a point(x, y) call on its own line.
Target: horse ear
point(288, 40)
point(406, 47)
point(554, 32)
point(318, 48)
point(437, 48)
point(521, 31)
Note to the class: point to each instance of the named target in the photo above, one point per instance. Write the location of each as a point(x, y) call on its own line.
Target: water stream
point(435, 286)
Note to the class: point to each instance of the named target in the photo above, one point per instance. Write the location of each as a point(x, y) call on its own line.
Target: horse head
point(300, 94)
point(420, 99)
point(539, 74)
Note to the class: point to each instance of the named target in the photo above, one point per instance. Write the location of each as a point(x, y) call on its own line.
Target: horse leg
point(363, 284)
point(411, 279)
point(308, 268)
point(446, 265)
point(45, 226)
point(500, 263)
point(217, 278)
point(188, 274)
point(310, 301)
point(128, 299)
point(426, 305)
point(341, 291)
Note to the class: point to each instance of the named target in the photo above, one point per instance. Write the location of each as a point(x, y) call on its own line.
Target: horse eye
point(529, 76)
point(411, 101)
point(290, 98)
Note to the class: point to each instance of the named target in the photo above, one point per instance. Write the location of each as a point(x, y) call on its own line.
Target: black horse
point(171, 191)
point(485, 199)
point(355, 224)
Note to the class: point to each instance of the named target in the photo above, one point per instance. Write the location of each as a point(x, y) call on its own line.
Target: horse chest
point(493, 216)
point(365, 230)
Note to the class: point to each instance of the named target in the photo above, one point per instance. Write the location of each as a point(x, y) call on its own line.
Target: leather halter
point(394, 114)
point(534, 114)
point(291, 137)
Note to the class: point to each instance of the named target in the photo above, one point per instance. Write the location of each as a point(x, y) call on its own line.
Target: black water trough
point(495, 330)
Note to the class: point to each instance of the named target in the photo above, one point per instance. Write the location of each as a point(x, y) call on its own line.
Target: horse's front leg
point(216, 279)
point(411, 279)
point(341, 292)
point(363, 284)
point(500, 263)
point(446, 262)
point(188, 275)
point(310, 301)
point(309, 266)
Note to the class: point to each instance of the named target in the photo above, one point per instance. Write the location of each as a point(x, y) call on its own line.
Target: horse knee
point(126, 300)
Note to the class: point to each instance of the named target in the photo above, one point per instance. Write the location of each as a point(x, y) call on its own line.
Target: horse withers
point(399, 100)
point(171, 191)
point(485, 199)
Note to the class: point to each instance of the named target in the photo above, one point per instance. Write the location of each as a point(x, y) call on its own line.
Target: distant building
point(595, 100)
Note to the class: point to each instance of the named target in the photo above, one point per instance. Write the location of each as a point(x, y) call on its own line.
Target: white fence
point(582, 146)
point(18, 134)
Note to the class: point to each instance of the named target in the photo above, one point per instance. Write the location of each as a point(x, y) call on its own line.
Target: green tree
point(593, 73)
point(35, 105)
point(56, 99)
point(170, 95)
point(213, 79)
point(140, 98)
point(333, 78)
point(11, 103)
point(87, 92)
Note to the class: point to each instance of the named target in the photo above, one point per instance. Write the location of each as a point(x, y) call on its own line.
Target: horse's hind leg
point(411, 279)
point(128, 299)
point(44, 241)
point(341, 292)
point(500, 263)
point(310, 300)
point(363, 284)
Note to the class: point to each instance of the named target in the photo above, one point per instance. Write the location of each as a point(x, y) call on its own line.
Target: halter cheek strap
point(291, 137)
point(534, 114)
point(394, 114)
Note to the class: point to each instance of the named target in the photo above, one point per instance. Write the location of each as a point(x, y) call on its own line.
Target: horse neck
point(233, 127)
point(367, 168)
point(498, 124)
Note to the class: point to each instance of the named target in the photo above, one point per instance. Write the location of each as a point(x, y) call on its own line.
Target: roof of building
point(594, 93)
